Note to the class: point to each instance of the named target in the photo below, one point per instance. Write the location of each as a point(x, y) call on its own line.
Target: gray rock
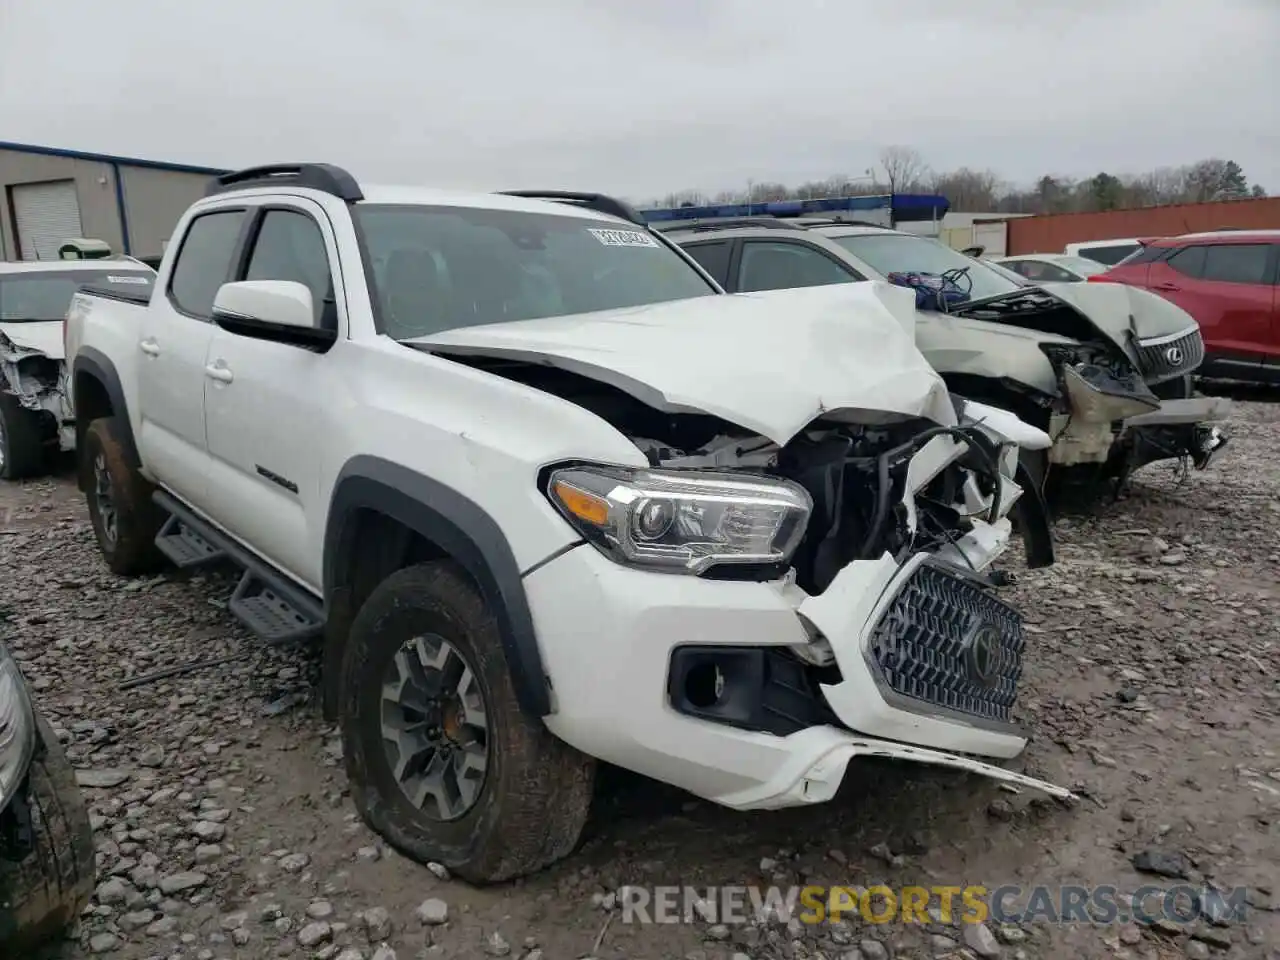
point(103, 942)
point(208, 831)
point(314, 933)
point(377, 924)
point(384, 952)
point(440, 871)
point(136, 919)
point(1195, 950)
point(163, 927)
point(231, 921)
point(101, 779)
point(240, 936)
point(320, 910)
point(151, 757)
point(208, 853)
point(294, 862)
point(941, 944)
point(718, 931)
point(496, 945)
point(1163, 863)
point(432, 912)
point(178, 882)
point(111, 891)
point(368, 854)
point(979, 939)
point(350, 953)
point(873, 950)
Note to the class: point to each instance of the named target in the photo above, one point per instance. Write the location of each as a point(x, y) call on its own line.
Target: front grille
point(1163, 358)
point(946, 642)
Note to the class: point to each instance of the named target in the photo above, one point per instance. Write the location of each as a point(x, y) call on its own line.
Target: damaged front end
point(1122, 400)
point(39, 382)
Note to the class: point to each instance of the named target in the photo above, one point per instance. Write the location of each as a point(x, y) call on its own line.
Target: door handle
point(149, 347)
point(217, 371)
point(1166, 286)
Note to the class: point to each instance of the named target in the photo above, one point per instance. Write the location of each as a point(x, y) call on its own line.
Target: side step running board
point(276, 610)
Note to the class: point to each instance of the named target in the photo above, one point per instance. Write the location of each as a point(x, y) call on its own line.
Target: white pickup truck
point(547, 495)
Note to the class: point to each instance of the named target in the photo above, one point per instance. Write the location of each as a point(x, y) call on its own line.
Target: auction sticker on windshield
point(623, 238)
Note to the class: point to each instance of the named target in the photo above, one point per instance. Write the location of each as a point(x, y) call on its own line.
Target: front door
point(262, 401)
point(172, 344)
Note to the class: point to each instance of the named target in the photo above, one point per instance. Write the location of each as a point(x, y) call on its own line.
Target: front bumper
point(608, 636)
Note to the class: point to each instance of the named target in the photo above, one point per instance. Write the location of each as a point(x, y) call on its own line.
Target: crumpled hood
point(41, 336)
point(770, 362)
point(1118, 309)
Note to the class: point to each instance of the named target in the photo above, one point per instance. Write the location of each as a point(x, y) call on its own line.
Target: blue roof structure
point(903, 206)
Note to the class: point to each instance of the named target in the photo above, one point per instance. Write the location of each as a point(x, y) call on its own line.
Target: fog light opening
point(704, 685)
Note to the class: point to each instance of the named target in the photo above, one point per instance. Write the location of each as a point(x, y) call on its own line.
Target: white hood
point(768, 362)
point(42, 336)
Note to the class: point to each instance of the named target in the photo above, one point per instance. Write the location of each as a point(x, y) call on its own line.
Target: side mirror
point(278, 310)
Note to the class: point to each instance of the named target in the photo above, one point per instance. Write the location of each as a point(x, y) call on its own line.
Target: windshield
point(46, 295)
point(439, 268)
point(903, 253)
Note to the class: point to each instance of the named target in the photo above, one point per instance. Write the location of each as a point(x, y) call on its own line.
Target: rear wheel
point(21, 440)
point(442, 760)
point(125, 519)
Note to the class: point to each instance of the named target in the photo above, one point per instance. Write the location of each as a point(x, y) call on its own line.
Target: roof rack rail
point(324, 177)
point(727, 223)
point(599, 202)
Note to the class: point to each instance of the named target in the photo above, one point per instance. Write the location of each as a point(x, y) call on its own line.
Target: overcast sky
point(641, 97)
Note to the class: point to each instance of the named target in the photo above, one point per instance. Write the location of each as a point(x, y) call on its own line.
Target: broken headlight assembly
point(681, 522)
point(1101, 387)
point(17, 727)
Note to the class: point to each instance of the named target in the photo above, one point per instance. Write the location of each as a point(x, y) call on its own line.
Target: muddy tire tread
point(538, 789)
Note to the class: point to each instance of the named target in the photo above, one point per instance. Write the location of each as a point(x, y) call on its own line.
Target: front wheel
point(443, 762)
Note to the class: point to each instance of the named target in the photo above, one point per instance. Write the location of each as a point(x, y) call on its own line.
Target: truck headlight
point(681, 522)
point(17, 727)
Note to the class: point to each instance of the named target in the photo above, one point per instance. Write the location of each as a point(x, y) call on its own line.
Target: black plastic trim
point(95, 364)
point(319, 339)
point(324, 177)
point(135, 299)
point(460, 528)
point(599, 202)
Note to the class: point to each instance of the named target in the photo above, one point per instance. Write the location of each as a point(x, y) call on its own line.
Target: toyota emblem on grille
point(982, 654)
point(1174, 355)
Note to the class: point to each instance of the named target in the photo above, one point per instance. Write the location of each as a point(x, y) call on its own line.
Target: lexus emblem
point(982, 654)
point(1174, 355)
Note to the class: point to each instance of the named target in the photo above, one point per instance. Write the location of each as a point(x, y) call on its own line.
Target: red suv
point(1229, 281)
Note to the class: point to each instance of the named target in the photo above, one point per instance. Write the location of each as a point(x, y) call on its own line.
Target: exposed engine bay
point(899, 487)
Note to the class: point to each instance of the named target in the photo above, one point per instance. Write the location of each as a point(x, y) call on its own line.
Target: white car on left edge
point(35, 405)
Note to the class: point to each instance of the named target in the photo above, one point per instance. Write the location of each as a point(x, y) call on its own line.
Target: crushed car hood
point(39, 336)
point(1115, 311)
point(769, 362)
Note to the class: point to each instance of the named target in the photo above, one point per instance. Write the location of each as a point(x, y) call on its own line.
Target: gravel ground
point(224, 829)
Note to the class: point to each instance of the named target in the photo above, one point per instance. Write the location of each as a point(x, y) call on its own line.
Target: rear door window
point(1237, 262)
point(1110, 255)
point(776, 265)
point(713, 257)
point(1189, 261)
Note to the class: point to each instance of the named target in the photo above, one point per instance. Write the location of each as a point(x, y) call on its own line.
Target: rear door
point(173, 341)
point(1225, 287)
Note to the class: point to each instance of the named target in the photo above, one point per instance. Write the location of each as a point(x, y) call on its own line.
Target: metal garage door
point(46, 214)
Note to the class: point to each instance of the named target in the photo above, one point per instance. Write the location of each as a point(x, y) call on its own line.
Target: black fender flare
point(464, 531)
point(96, 364)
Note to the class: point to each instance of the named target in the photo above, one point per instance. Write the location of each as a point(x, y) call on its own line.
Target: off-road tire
point(46, 882)
point(21, 440)
point(133, 550)
point(537, 790)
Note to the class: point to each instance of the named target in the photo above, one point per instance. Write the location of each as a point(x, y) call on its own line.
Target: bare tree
point(903, 167)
